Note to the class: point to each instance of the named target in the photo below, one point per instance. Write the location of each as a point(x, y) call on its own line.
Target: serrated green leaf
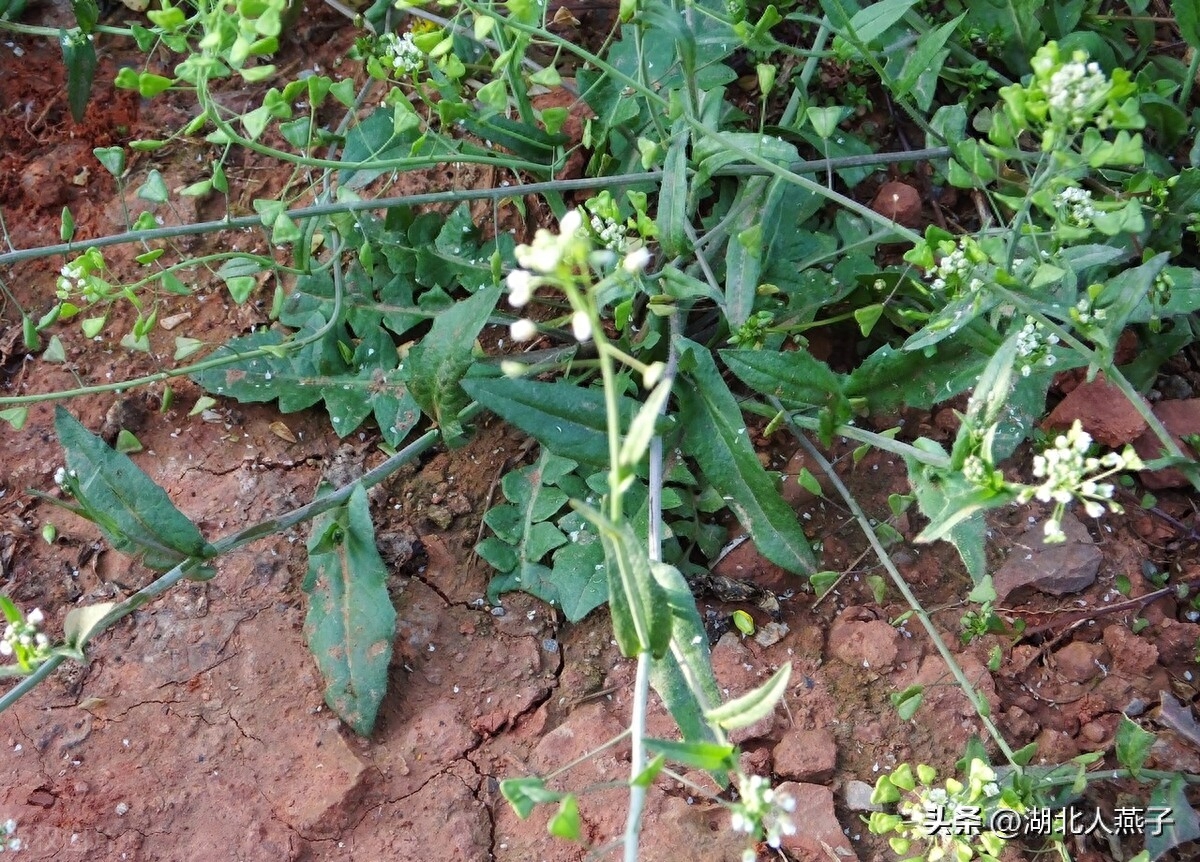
point(754, 705)
point(135, 515)
point(437, 364)
point(795, 377)
point(715, 434)
point(351, 622)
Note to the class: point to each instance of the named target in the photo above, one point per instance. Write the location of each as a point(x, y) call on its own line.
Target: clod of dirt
point(858, 639)
point(1055, 569)
point(1133, 655)
point(1181, 418)
point(1102, 409)
point(818, 826)
point(806, 756)
point(900, 202)
point(1081, 662)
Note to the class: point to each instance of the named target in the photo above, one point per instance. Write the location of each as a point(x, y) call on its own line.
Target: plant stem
point(637, 731)
point(980, 705)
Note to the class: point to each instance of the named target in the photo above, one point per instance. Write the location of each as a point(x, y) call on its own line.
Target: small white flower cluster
point(541, 259)
point(609, 233)
point(73, 276)
point(1068, 474)
point(1086, 314)
point(61, 475)
point(1076, 90)
point(1076, 205)
point(24, 638)
point(1033, 347)
point(953, 270)
point(762, 811)
point(403, 54)
point(8, 837)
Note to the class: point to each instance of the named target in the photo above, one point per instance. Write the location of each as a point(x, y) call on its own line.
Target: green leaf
point(134, 514)
point(79, 56)
point(907, 702)
point(1133, 745)
point(127, 442)
point(641, 617)
point(566, 419)
point(684, 677)
point(925, 59)
point(112, 158)
point(15, 417)
point(1179, 824)
point(437, 364)
point(795, 377)
point(754, 705)
point(643, 427)
point(565, 822)
point(351, 622)
point(744, 251)
point(154, 189)
point(708, 756)
point(1187, 17)
point(673, 196)
point(525, 793)
point(715, 433)
point(81, 623)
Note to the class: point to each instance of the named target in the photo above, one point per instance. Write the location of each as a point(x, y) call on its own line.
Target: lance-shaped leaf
point(715, 433)
point(568, 420)
point(351, 622)
point(436, 366)
point(684, 677)
point(135, 515)
point(641, 616)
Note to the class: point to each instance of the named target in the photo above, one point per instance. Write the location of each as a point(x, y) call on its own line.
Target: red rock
point(1080, 662)
point(900, 202)
point(806, 755)
point(817, 826)
point(1055, 569)
point(1102, 409)
point(745, 563)
point(1181, 418)
point(859, 640)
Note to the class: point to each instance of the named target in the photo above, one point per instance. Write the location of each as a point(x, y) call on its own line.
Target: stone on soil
point(819, 836)
point(1181, 418)
point(806, 756)
point(1055, 569)
point(1102, 409)
point(860, 640)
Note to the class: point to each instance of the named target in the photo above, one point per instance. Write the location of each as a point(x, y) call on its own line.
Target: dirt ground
point(198, 729)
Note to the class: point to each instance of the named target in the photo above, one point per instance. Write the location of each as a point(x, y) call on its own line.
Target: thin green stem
point(972, 694)
point(1189, 81)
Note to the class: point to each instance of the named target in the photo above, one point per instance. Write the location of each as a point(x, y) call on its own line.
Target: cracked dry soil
point(198, 731)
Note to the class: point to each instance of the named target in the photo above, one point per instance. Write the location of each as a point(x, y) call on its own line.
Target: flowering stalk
point(22, 638)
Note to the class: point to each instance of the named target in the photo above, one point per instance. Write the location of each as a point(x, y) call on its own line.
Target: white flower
point(581, 326)
point(636, 261)
point(405, 57)
point(1076, 90)
point(520, 287)
point(6, 647)
point(1053, 531)
point(570, 224)
point(36, 617)
point(523, 329)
